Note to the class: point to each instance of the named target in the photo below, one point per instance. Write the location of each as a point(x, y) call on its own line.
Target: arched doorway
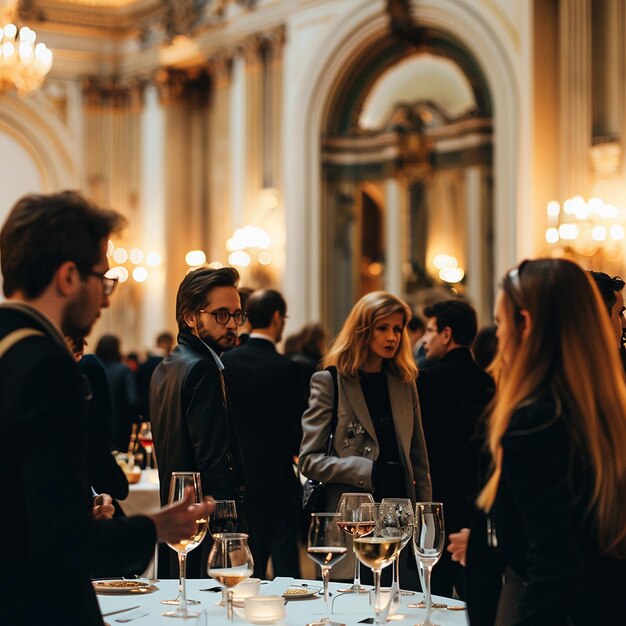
point(409, 133)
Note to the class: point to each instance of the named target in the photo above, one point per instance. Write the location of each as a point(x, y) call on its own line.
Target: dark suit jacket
point(142, 378)
point(453, 395)
point(189, 422)
point(264, 398)
point(105, 475)
point(543, 532)
point(44, 493)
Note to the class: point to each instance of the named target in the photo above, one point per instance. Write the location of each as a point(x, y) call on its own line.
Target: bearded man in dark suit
point(54, 264)
point(263, 390)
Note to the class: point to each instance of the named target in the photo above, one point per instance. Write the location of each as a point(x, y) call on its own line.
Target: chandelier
point(23, 63)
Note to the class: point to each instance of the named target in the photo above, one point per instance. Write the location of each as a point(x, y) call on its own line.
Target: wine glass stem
point(357, 573)
point(182, 590)
point(376, 596)
point(428, 599)
point(326, 579)
point(396, 571)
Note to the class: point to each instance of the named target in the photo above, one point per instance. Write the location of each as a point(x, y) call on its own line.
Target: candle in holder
point(247, 588)
point(264, 609)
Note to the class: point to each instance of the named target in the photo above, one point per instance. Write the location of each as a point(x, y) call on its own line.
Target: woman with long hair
point(378, 443)
point(556, 499)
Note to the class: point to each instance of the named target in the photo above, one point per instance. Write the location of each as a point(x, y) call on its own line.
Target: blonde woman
point(378, 445)
point(556, 501)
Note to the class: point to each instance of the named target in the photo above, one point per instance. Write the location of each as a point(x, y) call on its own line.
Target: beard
point(225, 341)
point(73, 321)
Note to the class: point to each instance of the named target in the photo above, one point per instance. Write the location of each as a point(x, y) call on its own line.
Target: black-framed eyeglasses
point(222, 316)
point(108, 282)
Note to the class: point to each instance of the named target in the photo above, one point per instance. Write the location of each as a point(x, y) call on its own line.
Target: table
point(348, 608)
point(143, 497)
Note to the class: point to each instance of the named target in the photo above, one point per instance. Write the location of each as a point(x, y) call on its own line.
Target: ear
point(191, 319)
point(276, 317)
point(447, 335)
point(67, 278)
point(526, 324)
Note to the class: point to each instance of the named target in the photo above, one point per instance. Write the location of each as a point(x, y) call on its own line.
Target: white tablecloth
point(143, 497)
point(349, 609)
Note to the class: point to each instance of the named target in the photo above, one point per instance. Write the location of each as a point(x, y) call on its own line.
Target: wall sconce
point(247, 245)
point(449, 270)
point(585, 228)
point(130, 263)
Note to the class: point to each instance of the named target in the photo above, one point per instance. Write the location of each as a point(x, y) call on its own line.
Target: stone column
point(238, 146)
point(394, 236)
point(575, 95)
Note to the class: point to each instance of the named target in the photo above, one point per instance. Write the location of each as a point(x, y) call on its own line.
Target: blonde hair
point(350, 348)
point(569, 351)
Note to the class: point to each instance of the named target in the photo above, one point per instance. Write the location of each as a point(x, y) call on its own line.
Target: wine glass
point(402, 508)
point(178, 483)
point(377, 551)
point(145, 439)
point(428, 540)
point(224, 517)
point(352, 524)
point(326, 546)
point(230, 562)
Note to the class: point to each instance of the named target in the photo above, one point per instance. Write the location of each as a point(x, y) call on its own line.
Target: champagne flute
point(224, 517)
point(230, 562)
point(353, 524)
point(145, 439)
point(402, 508)
point(377, 551)
point(178, 483)
point(326, 546)
point(428, 540)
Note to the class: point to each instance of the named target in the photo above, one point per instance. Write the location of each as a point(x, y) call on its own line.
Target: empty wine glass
point(230, 562)
point(403, 510)
point(428, 540)
point(353, 524)
point(178, 484)
point(377, 551)
point(326, 546)
point(224, 517)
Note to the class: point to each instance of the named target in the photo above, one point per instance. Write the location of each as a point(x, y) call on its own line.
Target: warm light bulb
point(135, 256)
point(264, 258)
point(194, 258)
point(444, 261)
point(568, 231)
point(153, 259)
point(598, 233)
point(239, 258)
point(553, 208)
point(451, 274)
point(10, 30)
point(120, 272)
point(215, 265)
point(140, 274)
point(552, 235)
point(120, 255)
point(617, 232)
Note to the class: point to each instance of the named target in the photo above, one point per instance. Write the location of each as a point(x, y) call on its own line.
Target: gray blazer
point(355, 447)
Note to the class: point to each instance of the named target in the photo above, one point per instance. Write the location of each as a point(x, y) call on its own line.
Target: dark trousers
point(274, 524)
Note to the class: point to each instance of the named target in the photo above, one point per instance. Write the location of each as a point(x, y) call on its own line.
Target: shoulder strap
point(15, 337)
point(333, 423)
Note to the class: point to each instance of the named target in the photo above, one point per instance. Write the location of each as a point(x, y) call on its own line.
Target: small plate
point(122, 587)
point(298, 592)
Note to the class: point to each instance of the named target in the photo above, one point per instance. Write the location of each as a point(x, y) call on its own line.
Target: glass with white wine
point(402, 509)
point(326, 546)
point(179, 482)
point(377, 551)
point(230, 562)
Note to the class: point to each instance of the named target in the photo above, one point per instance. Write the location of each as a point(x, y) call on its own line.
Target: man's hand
point(180, 520)
point(458, 545)
point(103, 507)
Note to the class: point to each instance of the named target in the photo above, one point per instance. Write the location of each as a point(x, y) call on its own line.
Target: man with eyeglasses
point(53, 256)
point(188, 405)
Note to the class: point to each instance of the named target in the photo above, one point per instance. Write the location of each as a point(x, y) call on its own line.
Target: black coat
point(264, 397)
point(453, 395)
point(44, 493)
point(542, 531)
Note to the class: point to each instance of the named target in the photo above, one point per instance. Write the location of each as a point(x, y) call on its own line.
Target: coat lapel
point(356, 400)
point(400, 399)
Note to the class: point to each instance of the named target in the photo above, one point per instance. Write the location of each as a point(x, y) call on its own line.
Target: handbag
point(314, 491)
